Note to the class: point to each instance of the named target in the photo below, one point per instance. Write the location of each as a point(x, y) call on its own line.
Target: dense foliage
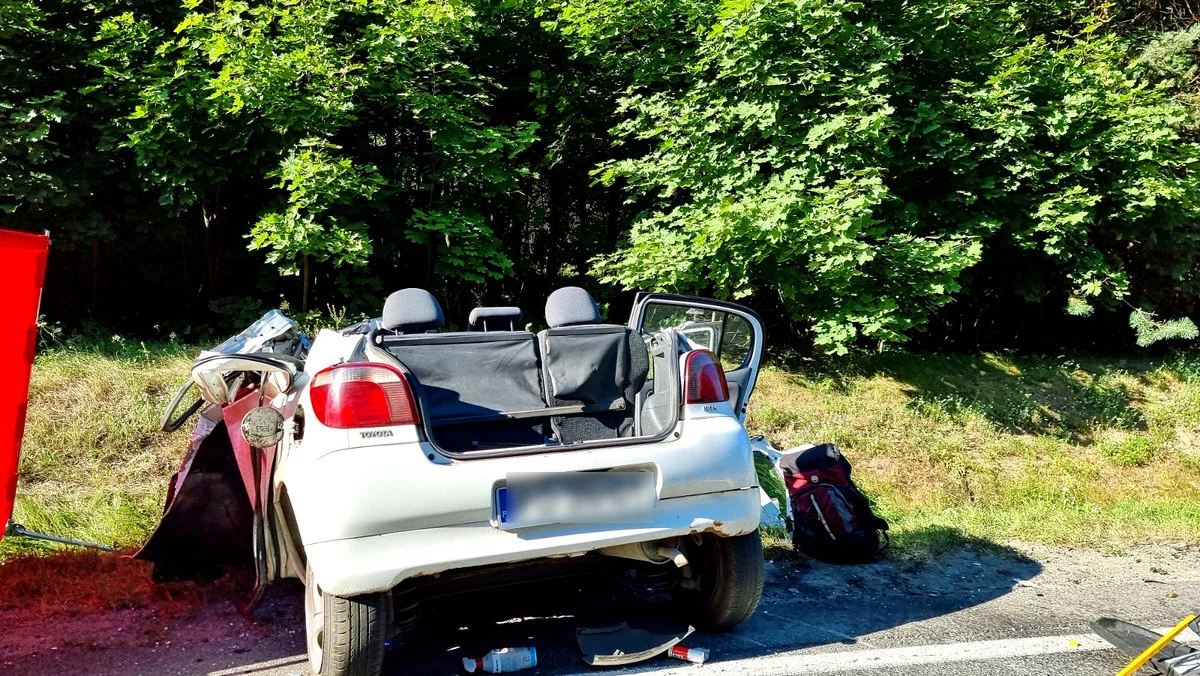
point(864, 170)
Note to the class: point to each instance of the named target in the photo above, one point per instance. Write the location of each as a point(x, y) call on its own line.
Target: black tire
point(729, 580)
point(347, 637)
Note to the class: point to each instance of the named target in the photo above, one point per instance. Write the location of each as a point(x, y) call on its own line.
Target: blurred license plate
point(539, 498)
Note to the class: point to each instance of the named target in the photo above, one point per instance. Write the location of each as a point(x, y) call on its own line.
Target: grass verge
point(953, 448)
point(93, 464)
point(1089, 451)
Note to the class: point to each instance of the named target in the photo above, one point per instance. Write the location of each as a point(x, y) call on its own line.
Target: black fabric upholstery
point(458, 438)
point(494, 319)
point(584, 363)
point(412, 311)
point(490, 389)
point(570, 306)
point(593, 365)
point(469, 381)
point(639, 364)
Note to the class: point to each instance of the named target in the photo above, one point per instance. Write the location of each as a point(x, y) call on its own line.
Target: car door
point(732, 332)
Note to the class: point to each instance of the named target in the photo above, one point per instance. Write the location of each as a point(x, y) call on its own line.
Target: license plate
point(540, 498)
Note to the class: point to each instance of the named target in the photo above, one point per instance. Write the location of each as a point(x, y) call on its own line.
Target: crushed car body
point(392, 461)
point(216, 502)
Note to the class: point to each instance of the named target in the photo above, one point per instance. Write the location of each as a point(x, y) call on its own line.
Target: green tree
point(362, 113)
point(856, 158)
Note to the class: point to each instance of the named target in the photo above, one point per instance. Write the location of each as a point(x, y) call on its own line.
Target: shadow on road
point(805, 604)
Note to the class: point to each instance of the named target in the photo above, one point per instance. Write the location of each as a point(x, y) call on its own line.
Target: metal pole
point(21, 531)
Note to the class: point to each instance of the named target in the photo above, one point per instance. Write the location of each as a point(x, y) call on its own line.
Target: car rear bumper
point(343, 493)
point(378, 563)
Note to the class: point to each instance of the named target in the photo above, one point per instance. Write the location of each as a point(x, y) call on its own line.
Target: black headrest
point(412, 311)
point(494, 318)
point(571, 305)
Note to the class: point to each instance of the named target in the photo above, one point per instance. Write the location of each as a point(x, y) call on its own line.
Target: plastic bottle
point(502, 661)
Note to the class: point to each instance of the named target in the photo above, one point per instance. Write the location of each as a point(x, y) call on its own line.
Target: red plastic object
point(345, 396)
point(22, 271)
point(705, 379)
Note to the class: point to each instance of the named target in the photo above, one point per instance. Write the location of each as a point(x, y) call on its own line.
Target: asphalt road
point(1021, 612)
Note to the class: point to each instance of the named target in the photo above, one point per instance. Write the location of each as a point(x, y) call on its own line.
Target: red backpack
point(830, 518)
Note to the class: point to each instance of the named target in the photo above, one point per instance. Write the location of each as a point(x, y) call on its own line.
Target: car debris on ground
point(630, 642)
point(1164, 654)
point(693, 655)
point(502, 661)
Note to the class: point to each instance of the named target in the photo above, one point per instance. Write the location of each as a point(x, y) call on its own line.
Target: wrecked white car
point(400, 462)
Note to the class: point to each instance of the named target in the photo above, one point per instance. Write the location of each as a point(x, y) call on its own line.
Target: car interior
point(496, 386)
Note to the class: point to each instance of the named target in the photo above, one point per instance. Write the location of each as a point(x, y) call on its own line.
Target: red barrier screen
point(22, 270)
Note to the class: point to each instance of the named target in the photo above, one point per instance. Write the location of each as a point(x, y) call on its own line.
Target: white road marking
point(804, 662)
point(853, 660)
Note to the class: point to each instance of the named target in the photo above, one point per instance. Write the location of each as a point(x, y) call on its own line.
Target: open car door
point(730, 331)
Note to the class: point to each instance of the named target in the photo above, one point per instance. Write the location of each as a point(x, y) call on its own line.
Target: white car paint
point(374, 507)
point(371, 514)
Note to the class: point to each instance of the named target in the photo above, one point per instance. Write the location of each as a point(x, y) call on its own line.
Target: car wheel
point(727, 579)
point(345, 636)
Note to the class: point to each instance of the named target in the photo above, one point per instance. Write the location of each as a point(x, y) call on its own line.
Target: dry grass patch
point(1085, 451)
point(71, 583)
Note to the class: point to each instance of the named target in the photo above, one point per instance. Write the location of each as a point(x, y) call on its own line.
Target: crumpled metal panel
point(207, 523)
point(216, 509)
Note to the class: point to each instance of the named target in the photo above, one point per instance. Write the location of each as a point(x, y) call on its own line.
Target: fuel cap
point(262, 427)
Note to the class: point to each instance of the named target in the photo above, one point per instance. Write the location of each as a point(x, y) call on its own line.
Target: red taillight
point(705, 379)
point(362, 395)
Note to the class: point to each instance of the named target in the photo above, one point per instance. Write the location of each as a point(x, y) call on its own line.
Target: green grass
point(954, 448)
point(93, 464)
point(1088, 451)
